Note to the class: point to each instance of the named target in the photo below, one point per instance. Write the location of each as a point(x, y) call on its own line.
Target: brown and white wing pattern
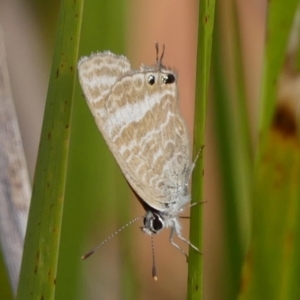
point(97, 74)
point(137, 113)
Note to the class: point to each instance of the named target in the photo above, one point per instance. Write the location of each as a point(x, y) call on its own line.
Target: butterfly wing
point(140, 121)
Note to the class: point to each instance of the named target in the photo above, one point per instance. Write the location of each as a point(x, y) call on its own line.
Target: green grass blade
point(232, 129)
point(40, 257)
point(205, 30)
point(240, 82)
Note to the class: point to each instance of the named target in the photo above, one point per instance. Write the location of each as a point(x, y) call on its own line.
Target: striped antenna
point(85, 256)
point(153, 260)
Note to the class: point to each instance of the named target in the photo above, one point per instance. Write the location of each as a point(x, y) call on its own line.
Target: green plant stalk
point(233, 142)
point(40, 257)
point(229, 186)
point(240, 82)
point(242, 139)
point(205, 32)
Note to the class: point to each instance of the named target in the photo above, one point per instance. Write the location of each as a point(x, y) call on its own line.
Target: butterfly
point(138, 115)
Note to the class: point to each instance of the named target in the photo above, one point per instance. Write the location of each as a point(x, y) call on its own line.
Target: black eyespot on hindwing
point(151, 79)
point(168, 78)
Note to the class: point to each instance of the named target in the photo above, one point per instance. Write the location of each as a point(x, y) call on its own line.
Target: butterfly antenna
point(85, 256)
point(162, 54)
point(157, 51)
point(153, 260)
point(159, 60)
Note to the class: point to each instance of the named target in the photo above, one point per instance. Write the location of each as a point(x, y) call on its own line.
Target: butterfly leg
point(189, 243)
point(176, 228)
point(175, 245)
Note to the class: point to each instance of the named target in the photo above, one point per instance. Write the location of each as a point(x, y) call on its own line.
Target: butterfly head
point(153, 222)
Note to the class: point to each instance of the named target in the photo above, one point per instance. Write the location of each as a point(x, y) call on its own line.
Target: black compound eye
point(153, 222)
point(151, 79)
point(168, 79)
point(157, 224)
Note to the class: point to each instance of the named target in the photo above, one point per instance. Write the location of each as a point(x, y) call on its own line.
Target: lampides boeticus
point(138, 115)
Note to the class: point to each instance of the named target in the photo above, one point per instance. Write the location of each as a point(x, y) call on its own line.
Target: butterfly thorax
point(156, 220)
